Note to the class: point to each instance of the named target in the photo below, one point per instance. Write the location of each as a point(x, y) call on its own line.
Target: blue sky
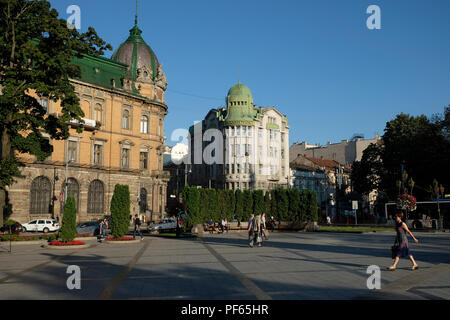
point(314, 60)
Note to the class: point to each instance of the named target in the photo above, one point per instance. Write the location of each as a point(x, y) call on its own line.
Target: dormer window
point(145, 74)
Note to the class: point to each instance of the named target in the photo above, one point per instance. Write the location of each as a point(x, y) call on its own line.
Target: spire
point(136, 17)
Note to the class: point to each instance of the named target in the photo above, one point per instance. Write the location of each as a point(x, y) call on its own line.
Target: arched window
point(126, 119)
point(143, 200)
point(98, 113)
point(73, 191)
point(40, 195)
point(95, 197)
point(144, 124)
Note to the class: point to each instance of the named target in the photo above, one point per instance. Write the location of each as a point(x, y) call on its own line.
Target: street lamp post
point(65, 183)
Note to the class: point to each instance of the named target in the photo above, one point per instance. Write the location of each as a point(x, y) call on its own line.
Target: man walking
point(137, 227)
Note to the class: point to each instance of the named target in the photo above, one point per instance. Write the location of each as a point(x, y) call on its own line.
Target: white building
point(253, 153)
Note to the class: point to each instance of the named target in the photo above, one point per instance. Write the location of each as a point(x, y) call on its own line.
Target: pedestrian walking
point(103, 229)
point(258, 221)
point(264, 231)
point(137, 227)
point(401, 248)
point(251, 229)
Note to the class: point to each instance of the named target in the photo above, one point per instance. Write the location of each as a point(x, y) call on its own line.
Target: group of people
point(104, 225)
point(223, 225)
point(257, 229)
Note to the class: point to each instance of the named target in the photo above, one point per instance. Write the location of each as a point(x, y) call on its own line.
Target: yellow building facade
point(122, 142)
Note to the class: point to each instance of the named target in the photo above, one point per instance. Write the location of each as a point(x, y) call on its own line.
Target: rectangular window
point(238, 168)
point(260, 132)
point(238, 131)
point(282, 153)
point(249, 149)
point(244, 167)
point(144, 160)
point(244, 130)
point(98, 151)
point(260, 151)
point(72, 151)
point(271, 134)
point(250, 131)
point(232, 168)
point(232, 150)
point(260, 171)
point(282, 137)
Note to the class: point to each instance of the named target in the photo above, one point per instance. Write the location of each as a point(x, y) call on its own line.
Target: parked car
point(92, 228)
point(41, 225)
point(13, 228)
point(166, 226)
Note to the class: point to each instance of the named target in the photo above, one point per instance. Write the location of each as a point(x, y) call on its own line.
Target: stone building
point(122, 143)
point(344, 152)
point(325, 177)
point(240, 146)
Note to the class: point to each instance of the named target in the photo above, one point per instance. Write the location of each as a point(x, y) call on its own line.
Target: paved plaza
point(289, 266)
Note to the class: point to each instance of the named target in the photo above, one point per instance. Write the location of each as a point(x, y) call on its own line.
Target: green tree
point(294, 204)
point(230, 205)
point(313, 209)
point(248, 204)
point(239, 207)
point(222, 203)
point(191, 199)
point(213, 207)
point(69, 221)
point(304, 205)
point(267, 204)
point(120, 211)
point(258, 201)
point(283, 204)
point(273, 204)
point(204, 214)
point(36, 55)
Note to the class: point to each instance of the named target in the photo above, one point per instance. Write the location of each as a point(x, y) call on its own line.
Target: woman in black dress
point(402, 241)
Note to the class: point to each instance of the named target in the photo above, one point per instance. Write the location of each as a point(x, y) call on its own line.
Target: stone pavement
point(298, 266)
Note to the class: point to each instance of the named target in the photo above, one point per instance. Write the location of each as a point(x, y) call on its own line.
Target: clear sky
point(314, 60)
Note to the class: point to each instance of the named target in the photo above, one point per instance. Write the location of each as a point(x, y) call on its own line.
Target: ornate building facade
point(254, 152)
point(122, 143)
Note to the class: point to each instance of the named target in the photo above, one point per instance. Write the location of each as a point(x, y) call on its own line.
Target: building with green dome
point(123, 141)
point(253, 153)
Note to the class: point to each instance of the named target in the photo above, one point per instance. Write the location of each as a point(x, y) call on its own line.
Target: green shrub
point(258, 202)
point(239, 207)
point(69, 221)
point(120, 211)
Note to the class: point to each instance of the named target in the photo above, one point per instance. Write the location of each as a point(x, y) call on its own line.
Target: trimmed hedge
point(120, 211)
point(69, 221)
point(286, 205)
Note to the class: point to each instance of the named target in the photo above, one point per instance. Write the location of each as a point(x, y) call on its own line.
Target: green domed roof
point(137, 54)
point(240, 110)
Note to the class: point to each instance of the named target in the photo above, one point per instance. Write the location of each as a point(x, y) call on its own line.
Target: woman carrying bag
point(401, 248)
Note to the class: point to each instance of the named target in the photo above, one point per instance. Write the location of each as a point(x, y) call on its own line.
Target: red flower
point(72, 243)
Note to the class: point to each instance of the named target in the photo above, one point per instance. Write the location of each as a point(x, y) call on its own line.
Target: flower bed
point(72, 243)
point(121, 239)
point(15, 237)
point(84, 235)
